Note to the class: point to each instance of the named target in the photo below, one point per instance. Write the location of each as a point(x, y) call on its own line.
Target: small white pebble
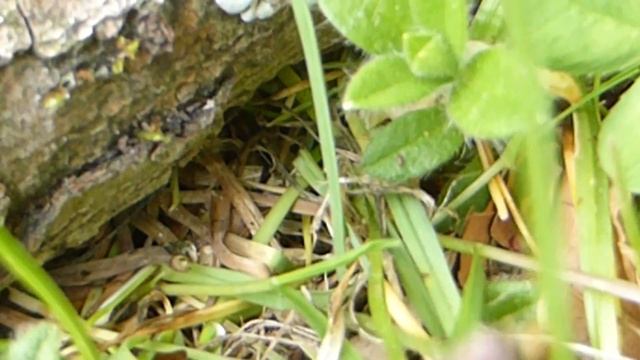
point(233, 7)
point(249, 15)
point(264, 10)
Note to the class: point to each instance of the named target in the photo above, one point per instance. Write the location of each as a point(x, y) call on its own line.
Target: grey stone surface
point(53, 27)
point(57, 25)
point(14, 34)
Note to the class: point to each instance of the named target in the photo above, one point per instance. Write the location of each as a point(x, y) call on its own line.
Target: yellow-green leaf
point(618, 142)
point(578, 36)
point(497, 95)
point(448, 17)
point(429, 55)
point(376, 26)
point(387, 81)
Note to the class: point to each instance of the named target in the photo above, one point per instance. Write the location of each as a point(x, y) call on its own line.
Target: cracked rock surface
point(14, 34)
point(100, 72)
point(52, 27)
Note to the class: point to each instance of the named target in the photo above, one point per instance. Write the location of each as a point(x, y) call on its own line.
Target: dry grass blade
point(486, 158)
point(14, 319)
point(96, 270)
point(234, 190)
point(304, 84)
point(300, 207)
point(331, 345)
point(154, 229)
point(250, 249)
point(220, 212)
point(402, 315)
point(192, 318)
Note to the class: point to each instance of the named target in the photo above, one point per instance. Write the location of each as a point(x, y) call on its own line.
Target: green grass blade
point(505, 161)
point(204, 275)
point(625, 290)
point(121, 294)
point(316, 319)
point(323, 118)
point(309, 170)
point(277, 213)
point(17, 260)
point(378, 307)
point(507, 297)
point(488, 23)
point(422, 244)
point(416, 291)
point(409, 276)
point(594, 230)
point(616, 80)
point(471, 310)
point(264, 285)
point(163, 347)
point(544, 217)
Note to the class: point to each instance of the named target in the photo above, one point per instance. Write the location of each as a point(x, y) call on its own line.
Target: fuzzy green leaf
point(411, 145)
point(377, 25)
point(618, 145)
point(497, 96)
point(373, 25)
point(448, 17)
point(41, 342)
point(384, 82)
point(578, 36)
point(429, 55)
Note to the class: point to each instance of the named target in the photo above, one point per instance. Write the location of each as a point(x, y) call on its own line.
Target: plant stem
point(17, 260)
point(323, 118)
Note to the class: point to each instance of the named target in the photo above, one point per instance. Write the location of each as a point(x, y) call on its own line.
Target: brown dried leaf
point(476, 229)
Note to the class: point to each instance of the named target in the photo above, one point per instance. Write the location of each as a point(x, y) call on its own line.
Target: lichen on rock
point(14, 34)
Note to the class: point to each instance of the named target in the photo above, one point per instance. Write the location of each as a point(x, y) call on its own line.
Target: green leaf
point(448, 17)
point(416, 291)
point(422, 243)
point(488, 23)
point(411, 145)
point(373, 25)
point(377, 25)
point(18, 261)
point(578, 36)
point(472, 308)
point(618, 145)
point(497, 95)
point(429, 55)
point(123, 353)
point(384, 82)
point(508, 297)
point(462, 179)
point(41, 342)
